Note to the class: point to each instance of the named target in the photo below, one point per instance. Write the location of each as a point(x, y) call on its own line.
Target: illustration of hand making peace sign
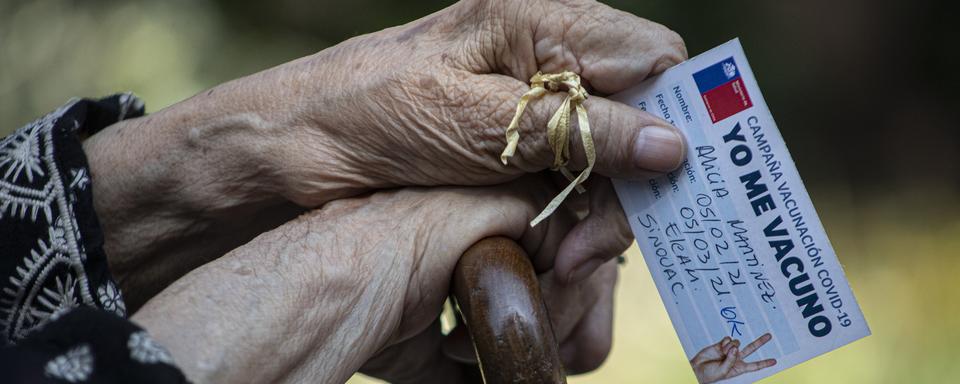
point(725, 359)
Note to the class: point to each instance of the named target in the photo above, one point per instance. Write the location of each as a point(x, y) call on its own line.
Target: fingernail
point(583, 270)
point(659, 149)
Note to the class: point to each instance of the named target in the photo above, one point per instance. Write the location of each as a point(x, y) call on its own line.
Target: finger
point(629, 143)
point(543, 241)
point(610, 48)
point(567, 305)
point(731, 345)
point(712, 352)
point(602, 235)
point(756, 344)
point(503, 210)
point(755, 366)
point(729, 360)
point(589, 344)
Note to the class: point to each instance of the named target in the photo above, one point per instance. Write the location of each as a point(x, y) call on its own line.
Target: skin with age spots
point(423, 104)
point(355, 282)
point(250, 154)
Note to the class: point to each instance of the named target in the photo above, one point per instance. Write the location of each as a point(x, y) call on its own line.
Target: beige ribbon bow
point(558, 131)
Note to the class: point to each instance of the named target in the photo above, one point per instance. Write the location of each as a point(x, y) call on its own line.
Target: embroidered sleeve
point(62, 316)
point(88, 345)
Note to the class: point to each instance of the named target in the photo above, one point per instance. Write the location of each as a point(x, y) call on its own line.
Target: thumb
point(630, 143)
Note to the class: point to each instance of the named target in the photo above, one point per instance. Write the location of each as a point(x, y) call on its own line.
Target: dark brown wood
point(498, 295)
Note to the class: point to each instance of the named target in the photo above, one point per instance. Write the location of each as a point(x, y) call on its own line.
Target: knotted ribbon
point(558, 131)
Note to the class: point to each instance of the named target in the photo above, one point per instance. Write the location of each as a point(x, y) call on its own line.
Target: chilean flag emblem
point(722, 90)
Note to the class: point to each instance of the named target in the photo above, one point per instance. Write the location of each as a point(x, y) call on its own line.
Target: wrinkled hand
point(422, 104)
point(725, 360)
point(318, 297)
point(427, 103)
point(582, 319)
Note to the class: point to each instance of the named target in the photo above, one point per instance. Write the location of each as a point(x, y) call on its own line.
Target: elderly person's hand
point(319, 297)
point(424, 104)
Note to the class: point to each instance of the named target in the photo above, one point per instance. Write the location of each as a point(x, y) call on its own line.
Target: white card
point(731, 238)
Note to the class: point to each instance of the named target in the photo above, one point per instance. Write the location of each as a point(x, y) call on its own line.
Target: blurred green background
point(863, 92)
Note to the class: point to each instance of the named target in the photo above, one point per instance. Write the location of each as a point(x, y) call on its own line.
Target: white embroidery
point(145, 350)
point(73, 366)
point(57, 302)
point(128, 103)
point(56, 235)
point(20, 154)
point(111, 299)
point(80, 179)
point(30, 297)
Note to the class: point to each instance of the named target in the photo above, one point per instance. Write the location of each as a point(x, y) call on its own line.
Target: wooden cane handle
point(498, 296)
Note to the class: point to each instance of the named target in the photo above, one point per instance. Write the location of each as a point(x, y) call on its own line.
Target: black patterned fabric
point(88, 345)
point(62, 317)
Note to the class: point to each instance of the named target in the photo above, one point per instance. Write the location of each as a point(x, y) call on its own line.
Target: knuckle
point(498, 105)
point(486, 114)
point(666, 43)
point(494, 109)
point(672, 50)
point(675, 41)
point(611, 134)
